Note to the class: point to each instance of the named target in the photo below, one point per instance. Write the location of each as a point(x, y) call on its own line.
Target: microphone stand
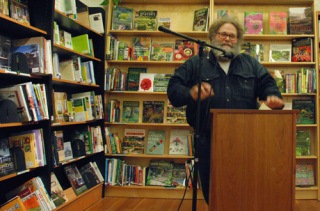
point(197, 130)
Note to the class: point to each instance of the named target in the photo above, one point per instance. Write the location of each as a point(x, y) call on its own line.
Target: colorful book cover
point(146, 82)
point(253, 22)
point(280, 53)
point(81, 44)
point(32, 53)
point(179, 175)
point(278, 22)
point(155, 142)
point(303, 143)
point(160, 173)
point(130, 111)
point(223, 13)
point(75, 179)
point(302, 49)
point(58, 196)
point(162, 51)
point(300, 20)
point(160, 82)
point(141, 48)
point(133, 141)
point(306, 109)
point(179, 142)
point(304, 175)
point(200, 19)
point(184, 49)
point(165, 22)
point(133, 77)
point(153, 111)
point(145, 20)
point(257, 51)
point(68, 154)
point(122, 18)
point(176, 115)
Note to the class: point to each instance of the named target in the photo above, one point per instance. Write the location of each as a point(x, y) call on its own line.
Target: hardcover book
point(303, 143)
point(155, 142)
point(200, 19)
point(304, 175)
point(133, 77)
point(179, 142)
point(122, 18)
point(145, 20)
point(133, 141)
point(302, 49)
point(130, 111)
point(153, 111)
point(146, 82)
point(253, 22)
point(75, 179)
point(160, 82)
point(300, 20)
point(184, 49)
point(306, 109)
point(278, 22)
point(280, 53)
point(159, 173)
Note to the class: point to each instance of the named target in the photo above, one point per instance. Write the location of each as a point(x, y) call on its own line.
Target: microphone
point(226, 54)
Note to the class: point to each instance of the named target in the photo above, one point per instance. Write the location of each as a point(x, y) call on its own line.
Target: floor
point(147, 204)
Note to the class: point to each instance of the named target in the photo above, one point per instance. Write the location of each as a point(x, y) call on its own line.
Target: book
point(81, 44)
point(14, 204)
point(68, 154)
point(153, 112)
point(130, 111)
point(253, 22)
point(75, 179)
point(96, 22)
point(155, 142)
point(146, 82)
point(58, 195)
point(67, 71)
point(304, 175)
point(178, 142)
point(133, 141)
point(257, 51)
point(224, 13)
point(300, 20)
point(145, 20)
point(303, 142)
point(165, 22)
point(32, 55)
point(19, 11)
point(162, 51)
point(160, 173)
point(280, 52)
point(4, 7)
point(122, 18)
point(160, 82)
point(5, 53)
point(133, 77)
point(183, 50)
point(58, 135)
point(179, 175)
point(141, 48)
point(302, 49)
point(306, 109)
point(176, 115)
point(278, 22)
point(201, 19)
point(6, 160)
point(89, 175)
point(60, 106)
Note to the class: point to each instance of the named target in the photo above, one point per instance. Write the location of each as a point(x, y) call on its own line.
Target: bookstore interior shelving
point(181, 14)
point(42, 17)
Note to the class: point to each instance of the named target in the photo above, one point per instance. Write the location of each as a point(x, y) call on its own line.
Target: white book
point(48, 60)
point(146, 82)
point(280, 52)
point(68, 155)
point(96, 22)
point(55, 66)
point(179, 142)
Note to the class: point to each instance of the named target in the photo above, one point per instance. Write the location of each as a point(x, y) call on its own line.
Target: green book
point(81, 44)
point(130, 111)
point(133, 77)
point(303, 145)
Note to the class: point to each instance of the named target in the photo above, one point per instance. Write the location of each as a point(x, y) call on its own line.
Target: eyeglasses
point(224, 35)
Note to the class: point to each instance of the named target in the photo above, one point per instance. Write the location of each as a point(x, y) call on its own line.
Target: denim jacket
point(246, 81)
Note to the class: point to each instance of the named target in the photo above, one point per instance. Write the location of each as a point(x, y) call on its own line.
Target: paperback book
point(200, 19)
point(300, 20)
point(280, 53)
point(160, 173)
point(146, 82)
point(141, 48)
point(122, 18)
point(130, 111)
point(145, 20)
point(153, 111)
point(165, 22)
point(6, 160)
point(162, 51)
point(304, 175)
point(179, 142)
point(302, 49)
point(75, 179)
point(303, 143)
point(160, 82)
point(306, 108)
point(278, 22)
point(133, 141)
point(253, 22)
point(155, 142)
point(184, 49)
point(133, 77)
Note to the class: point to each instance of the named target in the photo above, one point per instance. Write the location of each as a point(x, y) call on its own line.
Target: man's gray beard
point(235, 49)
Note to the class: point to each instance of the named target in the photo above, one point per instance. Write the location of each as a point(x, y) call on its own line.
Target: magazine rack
point(252, 160)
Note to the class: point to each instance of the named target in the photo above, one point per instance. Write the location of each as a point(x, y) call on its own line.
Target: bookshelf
point(42, 17)
point(180, 11)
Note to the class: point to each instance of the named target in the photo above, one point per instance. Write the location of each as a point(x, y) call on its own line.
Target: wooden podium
point(252, 160)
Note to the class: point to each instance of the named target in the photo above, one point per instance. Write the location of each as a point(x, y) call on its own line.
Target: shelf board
point(66, 52)
point(156, 33)
point(310, 157)
point(131, 62)
point(135, 93)
point(58, 81)
point(151, 156)
point(147, 124)
point(263, 2)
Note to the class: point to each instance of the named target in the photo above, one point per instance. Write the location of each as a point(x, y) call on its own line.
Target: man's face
point(226, 38)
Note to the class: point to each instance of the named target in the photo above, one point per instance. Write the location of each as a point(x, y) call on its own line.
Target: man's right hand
point(206, 91)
